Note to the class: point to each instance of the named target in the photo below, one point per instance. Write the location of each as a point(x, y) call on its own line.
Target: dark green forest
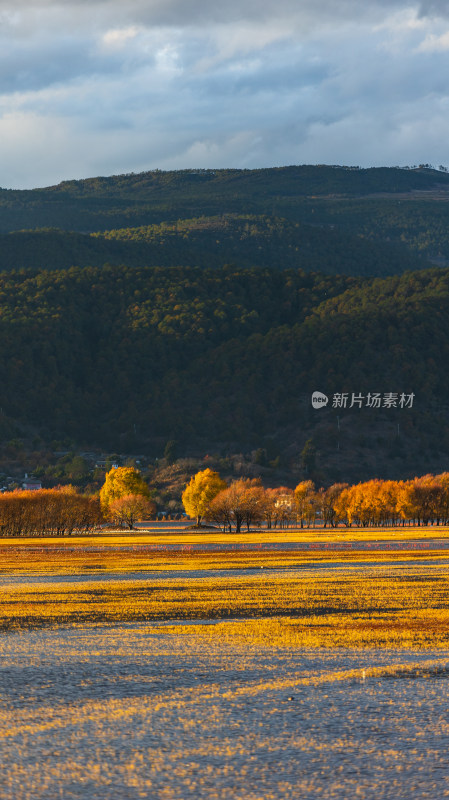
point(151, 197)
point(205, 307)
point(128, 358)
point(244, 241)
point(357, 221)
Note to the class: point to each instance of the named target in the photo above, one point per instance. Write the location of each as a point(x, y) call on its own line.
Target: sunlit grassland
point(53, 561)
point(306, 600)
point(226, 675)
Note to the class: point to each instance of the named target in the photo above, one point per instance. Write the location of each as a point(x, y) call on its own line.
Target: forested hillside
point(206, 306)
point(226, 359)
point(244, 241)
point(331, 219)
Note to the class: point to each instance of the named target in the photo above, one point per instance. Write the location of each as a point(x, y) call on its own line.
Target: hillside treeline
point(210, 242)
point(396, 210)
point(127, 359)
point(48, 512)
point(122, 201)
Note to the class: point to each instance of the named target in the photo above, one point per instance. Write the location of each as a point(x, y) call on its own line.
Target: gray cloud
point(433, 8)
point(102, 87)
point(182, 13)
point(29, 68)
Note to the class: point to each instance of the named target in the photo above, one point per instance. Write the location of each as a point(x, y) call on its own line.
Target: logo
point(319, 400)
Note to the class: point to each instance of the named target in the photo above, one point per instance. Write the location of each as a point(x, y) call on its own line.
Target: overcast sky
point(100, 87)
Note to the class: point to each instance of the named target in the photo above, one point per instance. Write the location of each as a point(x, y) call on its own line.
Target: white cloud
point(434, 43)
point(117, 38)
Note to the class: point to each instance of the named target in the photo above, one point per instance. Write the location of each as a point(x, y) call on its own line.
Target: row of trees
point(48, 512)
point(246, 502)
point(419, 501)
point(124, 499)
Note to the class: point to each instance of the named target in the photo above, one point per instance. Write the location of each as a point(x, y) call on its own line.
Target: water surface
point(132, 711)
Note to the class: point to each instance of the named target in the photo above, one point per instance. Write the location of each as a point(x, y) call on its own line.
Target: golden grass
point(210, 716)
point(51, 561)
point(386, 604)
point(426, 629)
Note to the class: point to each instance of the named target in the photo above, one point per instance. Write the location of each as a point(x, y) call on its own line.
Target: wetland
point(223, 674)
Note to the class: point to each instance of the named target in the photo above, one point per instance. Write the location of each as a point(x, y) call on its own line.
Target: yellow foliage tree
point(305, 501)
point(200, 492)
point(421, 499)
point(326, 503)
point(243, 501)
point(130, 508)
point(119, 482)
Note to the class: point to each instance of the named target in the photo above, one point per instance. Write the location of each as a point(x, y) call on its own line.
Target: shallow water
point(232, 546)
point(133, 711)
point(301, 570)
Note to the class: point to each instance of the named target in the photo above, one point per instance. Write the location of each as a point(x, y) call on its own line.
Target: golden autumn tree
point(305, 500)
point(366, 502)
point(199, 493)
point(271, 507)
point(420, 499)
point(255, 502)
point(243, 501)
point(326, 502)
point(343, 505)
point(386, 503)
point(130, 508)
point(119, 482)
point(221, 509)
point(358, 503)
point(443, 508)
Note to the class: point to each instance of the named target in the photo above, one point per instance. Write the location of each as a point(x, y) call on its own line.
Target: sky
point(102, 87)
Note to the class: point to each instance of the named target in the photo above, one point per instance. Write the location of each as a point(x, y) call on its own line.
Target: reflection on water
point(132, 711)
